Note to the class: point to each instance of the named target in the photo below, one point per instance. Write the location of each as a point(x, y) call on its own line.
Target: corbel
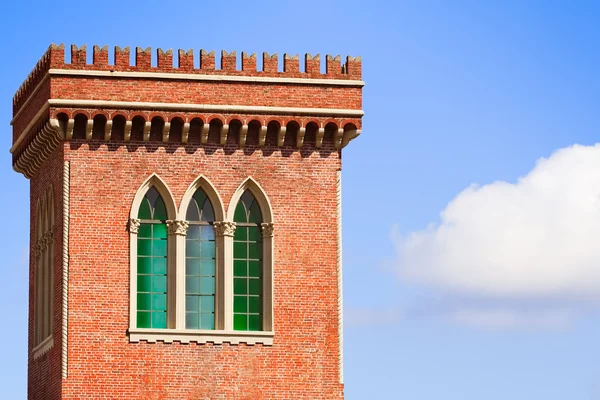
point(262, 135)
point(281, 135)
point(89, 128)
point(319, 137)
point(224, 130)
point(204, 134)
point(300, 137)
point(127, 131)
point(108, 129)
point(185, 132)
point(166, 130)
point(147, 127)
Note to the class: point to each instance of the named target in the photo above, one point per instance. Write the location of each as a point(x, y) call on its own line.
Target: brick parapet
point(54, 58)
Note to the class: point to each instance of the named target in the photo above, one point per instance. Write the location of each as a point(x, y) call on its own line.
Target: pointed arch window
point(200, 265)
point(247, 265)
point(152, 262)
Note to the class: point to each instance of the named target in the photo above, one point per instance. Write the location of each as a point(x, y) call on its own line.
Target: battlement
point(142, 61)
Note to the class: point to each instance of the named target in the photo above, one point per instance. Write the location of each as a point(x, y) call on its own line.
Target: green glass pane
point(193, 232)
point(240, 322)
point(207, 321)
point(240, 286)
point(240, 304)
point(200, 197)
point(240, 268)
point(192, 304)
point(240, 213)
point(159, 265)
point(207, 212)
point(159, 302)
point(207, 304)
point(255, 251)
point(144, 301)
point(255, 286)
point(144, 212)
point(254, 234)
point(207, 249)
point(255, 214)
point(192, 212)
point(207, 267)
point(160, 231)
point(255, 269)
point(144, 319)
point(240, 250)
point(254, 323)
point(159, 248)
point(159, 283)
point(144, 247)
point(207, 232)
point(192, 249)
point(145, 231)
point(160, 211)
point(254, 305)
point(207, 285)
point(159, 320)
point(192, 321)
point(144, 265)
point(192, 266)
point(192, 285)
point(241, 233)
point(144, 283)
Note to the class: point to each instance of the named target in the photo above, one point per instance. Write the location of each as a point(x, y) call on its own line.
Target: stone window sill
point(43, 347)
point(199, 336)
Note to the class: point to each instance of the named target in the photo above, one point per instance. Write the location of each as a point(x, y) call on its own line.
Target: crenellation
point(228, 61)
point(78, 55)
point(185, 60)
point(207, 60)
point(164, 59)
point(54, 58)
point(312, 65)
point(333, 65)
point(270, 62)
point(248, 62)
point(354, 67)
point(122, 57)
point(143, 58)
point(100, 56)
point(291, 64)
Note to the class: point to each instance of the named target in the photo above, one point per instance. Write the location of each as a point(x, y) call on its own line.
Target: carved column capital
point(177, 227)
point(224, 228)
point(134, 225)
point(38, 248)
point(267, 229)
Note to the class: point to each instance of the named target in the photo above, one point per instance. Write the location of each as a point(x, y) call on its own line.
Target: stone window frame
point(176, 250)
point(43, 321)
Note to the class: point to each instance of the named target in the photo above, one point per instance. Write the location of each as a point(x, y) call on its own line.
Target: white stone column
point(224, 275)
point(176, 273)
point(134, 227)
point(267, 238)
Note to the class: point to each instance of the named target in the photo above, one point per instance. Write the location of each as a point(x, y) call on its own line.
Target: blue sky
point(469, 265)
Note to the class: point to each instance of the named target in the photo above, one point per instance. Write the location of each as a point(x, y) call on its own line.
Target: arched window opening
point(200, 264)
point(247, 265)
point(152, 262)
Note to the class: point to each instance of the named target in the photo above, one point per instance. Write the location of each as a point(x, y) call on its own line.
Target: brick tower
point(185, 224)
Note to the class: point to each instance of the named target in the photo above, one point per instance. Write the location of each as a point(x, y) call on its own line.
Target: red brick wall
point(302, 363)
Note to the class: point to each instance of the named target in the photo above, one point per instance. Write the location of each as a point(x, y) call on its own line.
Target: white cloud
point(538, 238)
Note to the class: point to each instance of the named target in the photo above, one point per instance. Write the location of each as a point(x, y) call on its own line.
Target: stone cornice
point(211, 78)
point(213, 108)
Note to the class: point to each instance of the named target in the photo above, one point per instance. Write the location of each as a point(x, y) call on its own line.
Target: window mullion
point(224, 241)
